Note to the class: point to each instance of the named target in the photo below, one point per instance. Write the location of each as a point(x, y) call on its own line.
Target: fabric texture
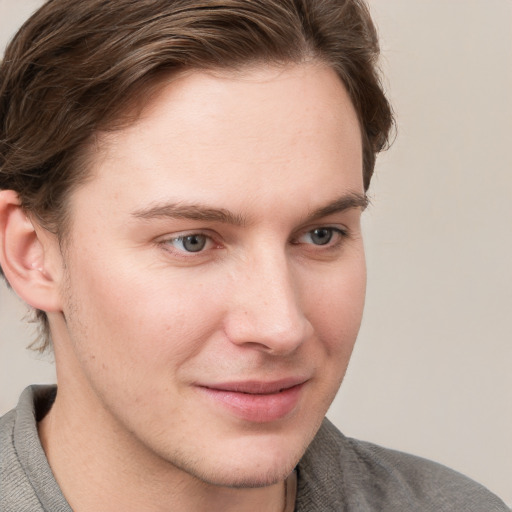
point(336, 473)
point(343, 474)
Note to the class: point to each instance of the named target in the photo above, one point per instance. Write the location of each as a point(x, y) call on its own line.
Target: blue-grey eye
point(191, 243)
point(320, 236)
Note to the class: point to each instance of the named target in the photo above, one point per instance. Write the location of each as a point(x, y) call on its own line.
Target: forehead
point(261, 129)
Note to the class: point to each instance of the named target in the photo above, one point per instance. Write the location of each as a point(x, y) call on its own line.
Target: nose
point(266, 306)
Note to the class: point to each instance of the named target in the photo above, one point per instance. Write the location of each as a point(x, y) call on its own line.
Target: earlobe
point(24, 256)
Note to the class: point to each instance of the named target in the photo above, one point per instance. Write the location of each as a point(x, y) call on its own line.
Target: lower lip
point(257, 408)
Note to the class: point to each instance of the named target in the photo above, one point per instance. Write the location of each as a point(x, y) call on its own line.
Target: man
point(181, 191)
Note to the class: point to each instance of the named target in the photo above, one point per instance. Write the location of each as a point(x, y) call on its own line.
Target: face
point(215, 273)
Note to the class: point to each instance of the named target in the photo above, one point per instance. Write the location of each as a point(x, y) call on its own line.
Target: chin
point(258, 466)
point(248, 477)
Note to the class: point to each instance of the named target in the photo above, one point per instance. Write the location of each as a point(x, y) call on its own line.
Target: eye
point(320, 236)
point(195, 242)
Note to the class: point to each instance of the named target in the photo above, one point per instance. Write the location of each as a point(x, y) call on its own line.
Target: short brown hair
point(74, 65)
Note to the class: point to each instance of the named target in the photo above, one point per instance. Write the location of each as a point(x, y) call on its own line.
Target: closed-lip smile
point(254, 400)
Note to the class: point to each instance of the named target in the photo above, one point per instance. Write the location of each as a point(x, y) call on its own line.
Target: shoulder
point(7, 440)
point(13, 480)
point(20, 456)
point(343, 474)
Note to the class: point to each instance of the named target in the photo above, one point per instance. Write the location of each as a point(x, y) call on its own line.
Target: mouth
point(256, 401)
point(254, 387)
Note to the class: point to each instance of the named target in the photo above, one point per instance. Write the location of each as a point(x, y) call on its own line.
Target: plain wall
point(431, 373)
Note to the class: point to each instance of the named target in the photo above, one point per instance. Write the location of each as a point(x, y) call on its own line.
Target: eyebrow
point(191, 212)
point(346, 202)
point(199, 212)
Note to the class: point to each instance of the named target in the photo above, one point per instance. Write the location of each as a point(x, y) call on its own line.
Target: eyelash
point(337, 236)
point(339, 233)
point(189, 236)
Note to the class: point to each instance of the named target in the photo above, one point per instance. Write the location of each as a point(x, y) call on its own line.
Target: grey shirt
point(336, 473)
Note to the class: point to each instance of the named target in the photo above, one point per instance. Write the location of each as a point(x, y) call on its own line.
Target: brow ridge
point(345, 202)
point(200, 212)
point(189, 211)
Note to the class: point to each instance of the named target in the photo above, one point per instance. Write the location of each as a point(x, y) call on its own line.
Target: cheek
point(133, 317)
point(336, 305)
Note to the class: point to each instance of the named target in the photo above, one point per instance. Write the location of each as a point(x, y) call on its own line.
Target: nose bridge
point(267, 306)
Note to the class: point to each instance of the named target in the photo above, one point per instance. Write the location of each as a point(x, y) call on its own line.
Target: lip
point(256, 401)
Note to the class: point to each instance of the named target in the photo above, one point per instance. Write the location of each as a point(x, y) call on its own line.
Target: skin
point(145, 333)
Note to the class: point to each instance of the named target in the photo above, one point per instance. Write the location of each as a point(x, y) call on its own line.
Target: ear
point(29, 256)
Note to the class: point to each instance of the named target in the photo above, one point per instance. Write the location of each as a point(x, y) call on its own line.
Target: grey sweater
point(336, 473)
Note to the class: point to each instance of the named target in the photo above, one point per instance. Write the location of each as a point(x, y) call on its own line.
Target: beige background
point(431, 373)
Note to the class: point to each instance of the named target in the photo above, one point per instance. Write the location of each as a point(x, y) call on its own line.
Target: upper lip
point(256, 387)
